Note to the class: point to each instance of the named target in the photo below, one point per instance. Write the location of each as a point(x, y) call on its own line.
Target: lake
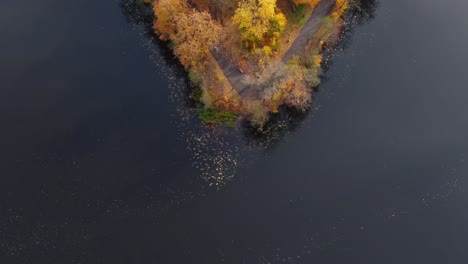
point(103, 160)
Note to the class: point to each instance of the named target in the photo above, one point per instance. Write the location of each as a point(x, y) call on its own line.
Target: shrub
point(257, 113)
point(205, 99)
point(195, 77)
point(300, 97)
point(312, 76)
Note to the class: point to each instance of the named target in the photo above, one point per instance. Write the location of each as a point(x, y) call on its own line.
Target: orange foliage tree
point(192, 33)
point(166, 11)
point(196, 34)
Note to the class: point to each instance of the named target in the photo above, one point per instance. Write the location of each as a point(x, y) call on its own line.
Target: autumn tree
point(196, 34)
point(166, 11)
point(193, 33)
point(259, 22)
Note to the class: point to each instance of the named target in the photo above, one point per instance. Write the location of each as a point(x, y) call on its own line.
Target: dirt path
point(234, 75)
point(309, 30)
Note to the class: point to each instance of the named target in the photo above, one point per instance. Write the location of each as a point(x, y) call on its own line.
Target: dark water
point(102, 160)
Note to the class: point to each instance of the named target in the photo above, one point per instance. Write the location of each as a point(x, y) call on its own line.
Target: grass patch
point(216, 116)
point(213, 115)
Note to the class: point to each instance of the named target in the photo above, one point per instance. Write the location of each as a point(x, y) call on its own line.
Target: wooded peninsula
point(249, 57)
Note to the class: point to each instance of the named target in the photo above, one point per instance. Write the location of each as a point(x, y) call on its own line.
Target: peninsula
point(249, 57)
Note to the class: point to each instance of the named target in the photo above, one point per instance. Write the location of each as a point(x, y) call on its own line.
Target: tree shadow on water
point(140, 14)
point(362, 12)
point(288, 120)
point(365, 10)
point(137, 12)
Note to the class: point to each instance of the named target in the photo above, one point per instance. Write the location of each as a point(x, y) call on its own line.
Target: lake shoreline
point(224, 90)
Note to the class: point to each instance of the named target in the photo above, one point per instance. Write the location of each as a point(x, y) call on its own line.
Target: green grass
point(211, 115)
point(216, 116)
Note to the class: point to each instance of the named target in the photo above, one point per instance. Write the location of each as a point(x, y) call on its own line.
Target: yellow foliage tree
point(258, 19)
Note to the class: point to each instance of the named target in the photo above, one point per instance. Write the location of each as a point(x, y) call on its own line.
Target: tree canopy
point(196, 34)
point(193, 33)
point(259, 19)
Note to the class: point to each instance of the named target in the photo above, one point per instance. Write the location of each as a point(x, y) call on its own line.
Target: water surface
point(103, 161)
